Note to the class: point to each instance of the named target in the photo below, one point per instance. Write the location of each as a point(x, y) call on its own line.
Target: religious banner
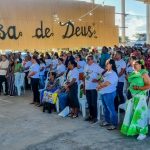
point(55, 24)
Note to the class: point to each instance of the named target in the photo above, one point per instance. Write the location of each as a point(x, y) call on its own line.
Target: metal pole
point(148, 23)
point(123, 21)
point(93, 1)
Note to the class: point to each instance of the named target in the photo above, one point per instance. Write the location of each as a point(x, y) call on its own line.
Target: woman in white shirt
point(3, 70)
point(54, 62)
point(61, 69)
point(34, 75)
point(108, 92)
point(72, 88)
point(42, 73)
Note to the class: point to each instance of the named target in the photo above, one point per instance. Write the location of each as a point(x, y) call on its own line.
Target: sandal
point(75, 116)
point(104, 124)
point(111, 128)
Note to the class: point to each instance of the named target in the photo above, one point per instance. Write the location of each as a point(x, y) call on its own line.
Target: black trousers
point(119, 97)
point(3, 79)
point(35, 89)
point(27, 85)
point(91, 96)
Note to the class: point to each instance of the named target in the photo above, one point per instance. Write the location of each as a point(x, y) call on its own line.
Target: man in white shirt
point(92, 73)
point(3, 70)
point(121, 67)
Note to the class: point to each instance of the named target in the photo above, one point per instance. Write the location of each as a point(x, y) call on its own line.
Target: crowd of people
point(119, 75)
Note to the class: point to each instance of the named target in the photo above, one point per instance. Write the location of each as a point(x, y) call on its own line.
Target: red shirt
point(147, 63)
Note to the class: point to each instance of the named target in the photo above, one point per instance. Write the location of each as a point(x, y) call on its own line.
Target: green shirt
point(136, 79)
point(18, 67)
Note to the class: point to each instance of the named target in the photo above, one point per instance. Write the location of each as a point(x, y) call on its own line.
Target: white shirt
point(27, 64)
point(81, 64)
point(112, 78)
point(4, 65)
point(35, 68)
point(73, 74)
point(48, 62)
point(92, 72)
point(43, 71)
point(54, 63)
point(121, 65)
point(61, 69)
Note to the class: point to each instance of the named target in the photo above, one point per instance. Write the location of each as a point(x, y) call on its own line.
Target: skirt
point(73, 96)
point(136, 117)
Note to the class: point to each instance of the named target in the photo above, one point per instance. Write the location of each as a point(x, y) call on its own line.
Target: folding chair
point(100, 111)
point(20, 82)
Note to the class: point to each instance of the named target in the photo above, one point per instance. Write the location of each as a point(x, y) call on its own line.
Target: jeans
point(119, 95)
point(42, 84)
point(63, 100)
point(91, 96)
point(109, 108)
point(3, 79)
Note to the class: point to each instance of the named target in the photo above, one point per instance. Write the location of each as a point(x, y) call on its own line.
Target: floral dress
point(136, 117)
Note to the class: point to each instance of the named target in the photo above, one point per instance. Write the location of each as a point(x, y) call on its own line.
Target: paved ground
point(26, 127)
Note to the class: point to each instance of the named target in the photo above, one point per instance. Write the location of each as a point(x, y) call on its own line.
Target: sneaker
point(75, 116)
point(104, 124)
point(141, 137)
point(111, 127)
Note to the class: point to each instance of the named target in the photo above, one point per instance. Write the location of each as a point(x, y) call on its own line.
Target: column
point(148, 23)
point(123, 34)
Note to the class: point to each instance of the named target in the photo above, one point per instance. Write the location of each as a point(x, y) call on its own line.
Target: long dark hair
point(36, 59)
point(141, 62)
point(42, 60)
point(56, 55)
point(72, 62)
point(80, 57)
point(112, 62)
point(48, 56)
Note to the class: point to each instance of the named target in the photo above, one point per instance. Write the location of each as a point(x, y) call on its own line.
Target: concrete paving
point(26, 127)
